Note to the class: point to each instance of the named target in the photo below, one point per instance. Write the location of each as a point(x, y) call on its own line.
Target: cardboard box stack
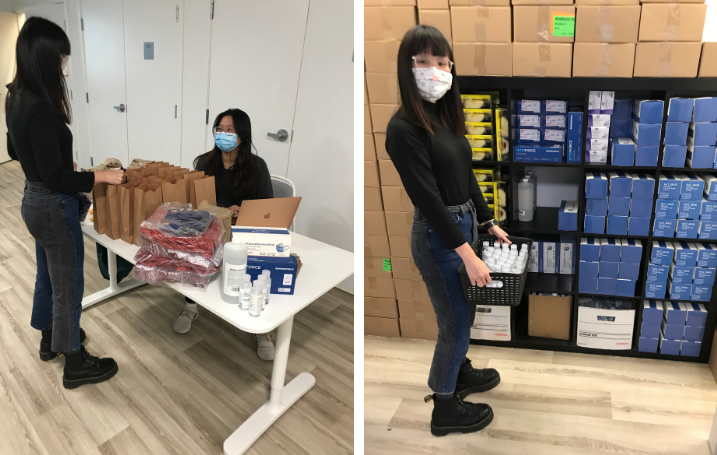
point(601, 106)
point(688, 280)
point(609, 266)
point(679, 203)
point(622, 148)
point(682, 328)
point(553, 256)
point(701, 134)
point(541, 130)
point(543, 32)
point(669, 39)
point(482, 37)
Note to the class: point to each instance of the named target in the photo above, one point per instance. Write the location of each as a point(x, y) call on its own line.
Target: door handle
point(281, 135)
point(120, 108)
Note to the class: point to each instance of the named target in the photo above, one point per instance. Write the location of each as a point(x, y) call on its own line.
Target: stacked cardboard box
point(669, 39)
point(482, 37)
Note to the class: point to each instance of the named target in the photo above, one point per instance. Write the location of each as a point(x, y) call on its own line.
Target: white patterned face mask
point(432, 83)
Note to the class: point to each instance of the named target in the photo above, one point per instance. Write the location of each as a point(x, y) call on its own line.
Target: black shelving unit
point(545, 220)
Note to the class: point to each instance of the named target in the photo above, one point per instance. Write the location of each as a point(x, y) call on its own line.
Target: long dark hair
point(426, 39)
point(38, 51)
point(244, 170)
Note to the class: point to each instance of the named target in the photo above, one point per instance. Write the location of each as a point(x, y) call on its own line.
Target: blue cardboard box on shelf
point(283, 272)
point(588, 269)
point(704, 276)
point(638, 226)
point(622, 151)
point(679, 292)
point(669, 186)
point(685, 254)
point(693, 333)
point(688, 210)
point(681, 275)
point(674, 155)
point(708, 210)
point(675, 312)
point(594, 224)
point(706, 255)
point(641, 208)
point(631, 251)
point(664, 228)
point(610, 249)
point(601, 120)
point(529, 136)
point(680, 109)
point(618, 206)
point(662, 253)
point(648, 111)
point(606, 286)
point(538, 153)
point(702, 134)
point(673, 332)
point(655, 290)
point(568, 216)
point(710, 191)
point(705, 110)
point(646, 134)
point(596, 207)
point(666, 209)
point(708, 230)
point(650, 330)
point(617, 225)
point(648, 344)
point(675, 133)
point(700, 157)
point(625, 288)
point(669, 347)
point(628, 271)
point(657, 273)
point(643, 186)
point(587, 285)
point(687, 229)
point(622, 108)
point(620, 184)
point(589, 249)
point(652, 312)
point(701, 293)
point(620, 127)
point(646, 155)
point(529, 121)
point(530, 107)
point(608, 269)
point(696, 314)
point(575, 137)
point(692, 187)
point(555, 106)
point(690, 348)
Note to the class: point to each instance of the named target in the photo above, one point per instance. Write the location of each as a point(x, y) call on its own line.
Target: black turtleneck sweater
point(436, 171)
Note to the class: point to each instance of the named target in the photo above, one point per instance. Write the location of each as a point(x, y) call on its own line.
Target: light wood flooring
point(174, 394)
point(548, 403)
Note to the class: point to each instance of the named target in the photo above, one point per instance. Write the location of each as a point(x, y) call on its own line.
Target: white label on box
point(555, 135)
point(597, 157)
point(599, 132)
point(530, 120)
point(495, 310)
point(555, 121)
point(533, 258)
point(607, 101)
point(529, 135)
point(284, 289)
point(567, 252)
point(272, 242)
point(594, 101)
point(555, 106)
point(571, 207)
point(549, 257)
point(530, 106)
point(598, 145)
point(490, 334)
point(288, 279)
point(600, 120)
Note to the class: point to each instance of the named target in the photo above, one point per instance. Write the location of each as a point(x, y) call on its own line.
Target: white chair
point(284, 187)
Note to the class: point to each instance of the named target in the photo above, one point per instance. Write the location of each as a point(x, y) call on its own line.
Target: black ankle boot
point(457, 416)
point(471, 380)
point(46, 343)
point(82, 368)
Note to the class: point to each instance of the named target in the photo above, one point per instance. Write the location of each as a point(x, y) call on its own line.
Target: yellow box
point(482, 154)
point(479, 128)
point(478, 115)
point(502, 132)
point(485, 175)
point(480, 141)
point(476, 101)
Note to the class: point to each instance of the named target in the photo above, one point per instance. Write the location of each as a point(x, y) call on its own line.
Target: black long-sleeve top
point(224, 183)
point(436, 172)
point(42, 142)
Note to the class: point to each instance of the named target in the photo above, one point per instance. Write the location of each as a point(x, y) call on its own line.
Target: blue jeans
point(53, 219)
point(438, 266)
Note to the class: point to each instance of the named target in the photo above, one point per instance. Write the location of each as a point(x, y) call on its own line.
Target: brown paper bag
point(167, 170)
point(126, 200)
point(136, 174)
point(224, 214)
point(138, 163)
point(153, 167)
point(113, 214)
point(174, 190)
point(99, 208)
point(193, 175)
point(203, 189)
point(147, 198)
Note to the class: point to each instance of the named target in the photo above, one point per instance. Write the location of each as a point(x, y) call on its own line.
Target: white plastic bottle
point(235, 259)
point(267, 277)
point(245, 293)
point(264, 290)
point(257, 299)
point(534, 181)
point(525, 200)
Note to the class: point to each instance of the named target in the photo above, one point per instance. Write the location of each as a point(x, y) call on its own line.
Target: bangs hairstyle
point(38, 51)
point(424, 39)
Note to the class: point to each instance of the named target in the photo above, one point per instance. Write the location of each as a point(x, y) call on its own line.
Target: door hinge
point(207, 117)
point(211, 13)
point(82, 24)
point(87, 95)
point(92, 161)
point(177, 13)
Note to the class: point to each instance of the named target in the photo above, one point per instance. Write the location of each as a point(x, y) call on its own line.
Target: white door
point(8, 38)
point(154, 78)
point(255, 64)
point(105, 62)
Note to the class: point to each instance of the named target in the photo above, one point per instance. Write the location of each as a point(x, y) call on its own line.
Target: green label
point(386, 265)
point(563, 25)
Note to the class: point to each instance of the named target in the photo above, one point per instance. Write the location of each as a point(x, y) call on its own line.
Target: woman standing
point(239, 175)
point(426, 142)
point(38, 112)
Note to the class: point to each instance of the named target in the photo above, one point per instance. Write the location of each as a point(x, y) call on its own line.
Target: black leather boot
point(471, 380)
point(46, 353)
point(457, 416)
point(82, 368)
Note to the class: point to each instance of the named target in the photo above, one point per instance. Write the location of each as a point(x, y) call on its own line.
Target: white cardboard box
point(275, 242)
point(605, 329)
point(491, 323)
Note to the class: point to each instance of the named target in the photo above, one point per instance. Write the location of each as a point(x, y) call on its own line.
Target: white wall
point(7, 6)
point(322, 152)
point(710, 33)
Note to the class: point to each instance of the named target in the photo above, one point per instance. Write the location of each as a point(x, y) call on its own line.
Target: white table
point(323, 267)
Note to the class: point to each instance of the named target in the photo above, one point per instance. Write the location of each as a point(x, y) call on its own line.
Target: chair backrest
point(284, 187)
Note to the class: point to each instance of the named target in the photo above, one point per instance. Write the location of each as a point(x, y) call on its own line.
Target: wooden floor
point(174, 394)
point(548, 403)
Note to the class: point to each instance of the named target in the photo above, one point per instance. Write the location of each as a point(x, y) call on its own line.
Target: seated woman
point(239, 175)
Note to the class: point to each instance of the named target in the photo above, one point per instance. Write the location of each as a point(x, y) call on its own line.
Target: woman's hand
point(113, 177)
point(500, 234)
point(478, 272)
point(235, 209)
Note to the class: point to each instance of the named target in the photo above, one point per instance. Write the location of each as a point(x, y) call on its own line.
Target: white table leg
point(282, 397)
point(114, 287)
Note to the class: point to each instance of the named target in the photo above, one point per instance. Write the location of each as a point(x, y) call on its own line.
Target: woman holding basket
point(426, 142)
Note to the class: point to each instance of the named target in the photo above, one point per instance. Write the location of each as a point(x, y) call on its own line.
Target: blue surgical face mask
point(226, 141)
